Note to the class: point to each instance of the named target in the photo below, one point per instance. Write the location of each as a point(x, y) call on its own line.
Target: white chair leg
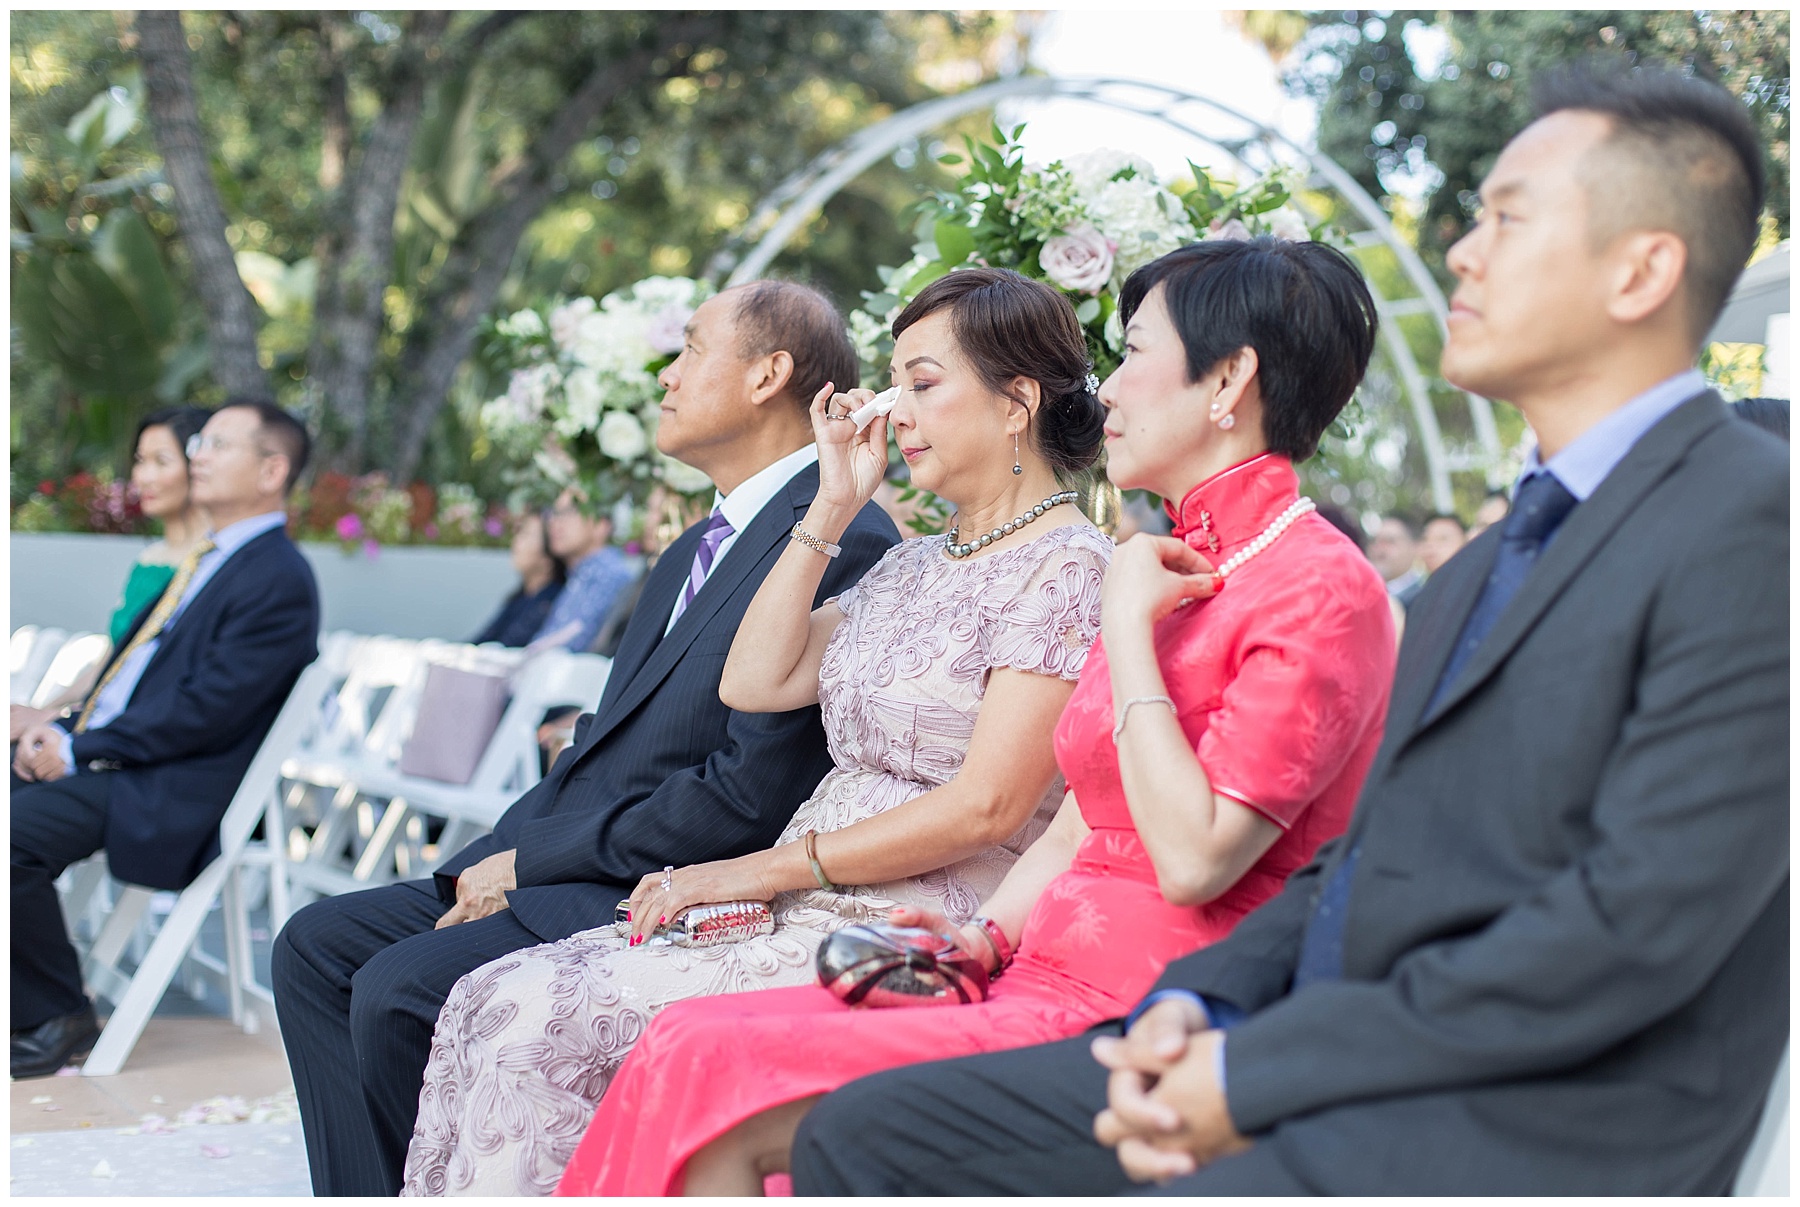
point(155, 972)
point(121, 926)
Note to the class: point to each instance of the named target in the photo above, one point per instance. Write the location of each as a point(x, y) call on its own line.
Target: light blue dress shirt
point(116, 695)
point(1580, 467)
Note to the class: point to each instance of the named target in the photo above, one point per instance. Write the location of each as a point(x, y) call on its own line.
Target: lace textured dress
point(526, 1046)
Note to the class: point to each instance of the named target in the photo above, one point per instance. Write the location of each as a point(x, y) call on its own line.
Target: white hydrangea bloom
point(521, 324)
point(1144, 221)
point(621, 437)
point(583, 399)
point(682, 477)
point(565, 320)
point(1092, 170)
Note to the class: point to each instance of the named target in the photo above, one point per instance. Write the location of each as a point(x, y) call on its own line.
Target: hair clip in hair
point(1093, 383)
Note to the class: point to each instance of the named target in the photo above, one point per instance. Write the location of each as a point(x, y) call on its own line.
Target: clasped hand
point(1165, 1110)
point(481, 889)
point(651, 905)
point(38, 755)
point(852, 464)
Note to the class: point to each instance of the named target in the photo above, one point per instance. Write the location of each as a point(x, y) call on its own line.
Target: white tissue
point(881, 404)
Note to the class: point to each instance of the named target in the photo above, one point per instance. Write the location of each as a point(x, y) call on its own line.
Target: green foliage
point(102, 337)
point(1400, 125)
point(661, 181)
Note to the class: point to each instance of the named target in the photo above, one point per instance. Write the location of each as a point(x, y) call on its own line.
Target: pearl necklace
point(1282, 523)
point(952, 549)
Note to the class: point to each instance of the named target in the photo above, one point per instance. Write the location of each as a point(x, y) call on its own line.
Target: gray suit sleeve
point(1690, 844)
point(1254, 965)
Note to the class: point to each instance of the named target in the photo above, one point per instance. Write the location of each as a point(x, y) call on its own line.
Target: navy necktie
point(1542, 505)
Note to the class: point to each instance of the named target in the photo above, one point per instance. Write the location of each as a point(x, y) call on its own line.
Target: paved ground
point(200, 1109)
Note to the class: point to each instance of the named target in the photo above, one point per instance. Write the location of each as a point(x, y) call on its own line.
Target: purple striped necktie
point(710, 540)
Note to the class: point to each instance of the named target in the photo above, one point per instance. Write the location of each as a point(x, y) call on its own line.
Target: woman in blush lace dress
point(1209, 748)
point(940, 679)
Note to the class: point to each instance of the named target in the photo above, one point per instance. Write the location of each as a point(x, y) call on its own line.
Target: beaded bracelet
point(1125, 711)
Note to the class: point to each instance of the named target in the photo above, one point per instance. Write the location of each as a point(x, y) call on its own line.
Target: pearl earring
point(1227, 423)
point(1017, 468)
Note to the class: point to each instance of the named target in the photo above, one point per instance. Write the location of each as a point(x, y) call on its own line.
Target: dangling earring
point(1017, 468)
point(1227, 423)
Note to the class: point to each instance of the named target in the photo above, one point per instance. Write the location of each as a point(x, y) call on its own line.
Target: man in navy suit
point(146, 767)
point(661, 773)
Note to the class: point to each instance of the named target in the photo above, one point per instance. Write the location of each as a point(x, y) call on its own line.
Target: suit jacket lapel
point(1431, 633)
point(645, 629)
point(1588, 527)
point(764, 533)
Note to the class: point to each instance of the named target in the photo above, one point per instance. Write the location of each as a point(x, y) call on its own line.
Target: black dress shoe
point(49, 1046)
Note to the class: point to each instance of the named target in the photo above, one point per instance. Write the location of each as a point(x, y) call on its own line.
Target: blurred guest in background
point(1442, 535)
point(1769, 414)
point(1395, 552)
point(1493, 509)
point(159, 478)
point(598, 574)
point(541, 578)
point(146, 769)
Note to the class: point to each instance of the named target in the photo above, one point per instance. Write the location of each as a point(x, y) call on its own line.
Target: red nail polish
point(663, 921)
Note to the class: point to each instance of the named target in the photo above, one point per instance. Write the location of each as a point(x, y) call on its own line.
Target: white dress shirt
point(745, 503)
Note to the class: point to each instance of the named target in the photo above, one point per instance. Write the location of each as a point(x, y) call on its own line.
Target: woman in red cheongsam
point(1220, 732)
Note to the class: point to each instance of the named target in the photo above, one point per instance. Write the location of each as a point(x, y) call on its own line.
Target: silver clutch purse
point(705, 925)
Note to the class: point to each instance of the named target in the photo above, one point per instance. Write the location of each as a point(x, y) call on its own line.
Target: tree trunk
point(231, 313)
point(482, 253)
point(348, 314)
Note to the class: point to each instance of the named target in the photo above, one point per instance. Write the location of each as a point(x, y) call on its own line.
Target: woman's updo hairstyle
point(1303, 307)
point(1008, 326)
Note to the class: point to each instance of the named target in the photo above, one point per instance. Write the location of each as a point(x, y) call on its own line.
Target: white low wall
point(73, 582)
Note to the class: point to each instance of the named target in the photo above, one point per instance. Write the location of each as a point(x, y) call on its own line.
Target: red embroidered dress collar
point(1229, 509)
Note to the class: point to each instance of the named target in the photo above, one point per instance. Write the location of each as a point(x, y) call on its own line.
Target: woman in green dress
point(159, 480)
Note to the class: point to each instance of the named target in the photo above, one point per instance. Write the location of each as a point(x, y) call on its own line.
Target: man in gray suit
point(1550, 955)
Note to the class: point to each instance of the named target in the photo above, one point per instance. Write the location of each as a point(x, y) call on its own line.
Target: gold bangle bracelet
point(812, 857)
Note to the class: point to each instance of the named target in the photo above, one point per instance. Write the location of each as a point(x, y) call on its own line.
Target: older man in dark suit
point(149, 763)
point(1550, 955)
point(661, 773)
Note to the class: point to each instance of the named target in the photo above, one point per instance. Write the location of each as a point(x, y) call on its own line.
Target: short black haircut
point(1304, 307)
point(183, 422)
point(1699, 167)
point(1435, 516)
point(785, 316)
point(281, 432)
point(1769, 414)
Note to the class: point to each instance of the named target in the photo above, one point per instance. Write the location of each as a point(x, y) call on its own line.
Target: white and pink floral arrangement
point(1083, 224)
point(582, 401)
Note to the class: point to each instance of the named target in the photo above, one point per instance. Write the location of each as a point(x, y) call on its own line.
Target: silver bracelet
point(812, 542)
point(1125, 711)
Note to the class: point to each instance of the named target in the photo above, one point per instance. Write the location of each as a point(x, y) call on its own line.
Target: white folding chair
point(1764, 1173)
point(72, 672)
point(135, 994)
point(32, 650)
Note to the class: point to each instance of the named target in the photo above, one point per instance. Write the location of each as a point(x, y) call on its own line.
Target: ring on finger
point(668, 878)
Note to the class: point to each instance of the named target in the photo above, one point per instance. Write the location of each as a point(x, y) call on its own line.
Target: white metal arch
point(788, 207)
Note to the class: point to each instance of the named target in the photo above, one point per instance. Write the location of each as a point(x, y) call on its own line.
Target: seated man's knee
point(386, 998)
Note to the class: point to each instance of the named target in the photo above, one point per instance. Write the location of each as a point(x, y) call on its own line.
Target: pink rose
point(1078, 259)
point(349, 527)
